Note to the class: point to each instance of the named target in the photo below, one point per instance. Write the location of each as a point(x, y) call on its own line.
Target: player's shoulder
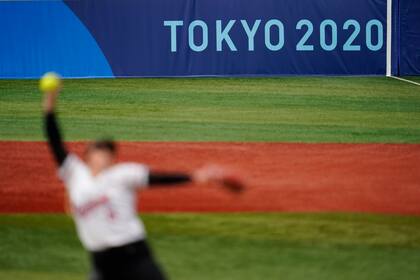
point(72, 165)
point(129, 173)
point(72, 160)
point(128, 167)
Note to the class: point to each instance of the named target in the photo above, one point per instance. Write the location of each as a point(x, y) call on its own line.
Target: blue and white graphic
point(40, 36)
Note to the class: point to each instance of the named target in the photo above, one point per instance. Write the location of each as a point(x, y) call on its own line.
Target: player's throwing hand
point(227, 178)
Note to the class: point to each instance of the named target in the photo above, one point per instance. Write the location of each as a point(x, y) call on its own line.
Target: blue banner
point(106, 38)
point(409, 37)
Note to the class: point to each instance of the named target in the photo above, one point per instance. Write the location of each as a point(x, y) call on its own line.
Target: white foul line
point(405, 80)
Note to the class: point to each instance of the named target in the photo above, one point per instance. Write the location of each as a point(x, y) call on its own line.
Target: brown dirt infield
point(381, 178)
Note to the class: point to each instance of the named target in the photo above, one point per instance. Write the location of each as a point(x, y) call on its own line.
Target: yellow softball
point(50, 82)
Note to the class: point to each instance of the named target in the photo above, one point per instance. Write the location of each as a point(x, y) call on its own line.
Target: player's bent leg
point(148, 269)
point(144, 265)
point(129, 262)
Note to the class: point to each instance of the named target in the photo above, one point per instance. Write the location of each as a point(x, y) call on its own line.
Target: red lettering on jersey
point(88, 207)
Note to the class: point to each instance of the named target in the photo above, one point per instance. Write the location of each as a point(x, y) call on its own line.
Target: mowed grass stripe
point(357, 110)
point(230, 246)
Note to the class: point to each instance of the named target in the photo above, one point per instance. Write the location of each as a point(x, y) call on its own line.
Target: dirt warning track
point(281, 177)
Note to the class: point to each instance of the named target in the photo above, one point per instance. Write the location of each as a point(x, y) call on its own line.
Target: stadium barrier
point(142, 38)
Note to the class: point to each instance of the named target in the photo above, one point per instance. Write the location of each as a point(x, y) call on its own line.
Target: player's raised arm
point(50, 124)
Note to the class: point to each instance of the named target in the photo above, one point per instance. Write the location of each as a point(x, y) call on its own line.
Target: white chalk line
point(405, 80)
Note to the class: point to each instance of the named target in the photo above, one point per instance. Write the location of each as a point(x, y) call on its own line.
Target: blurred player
point(103, 202)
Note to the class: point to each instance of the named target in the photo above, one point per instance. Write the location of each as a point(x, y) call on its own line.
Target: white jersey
point(104, 206)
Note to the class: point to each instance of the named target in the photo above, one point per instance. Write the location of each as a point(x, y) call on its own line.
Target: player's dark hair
point(103, 144)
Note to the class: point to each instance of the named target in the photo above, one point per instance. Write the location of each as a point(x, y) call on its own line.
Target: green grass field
point(230, 246)
point(225, 246)
point(276, 109)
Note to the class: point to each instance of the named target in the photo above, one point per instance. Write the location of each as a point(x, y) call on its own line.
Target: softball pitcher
point(103, 200)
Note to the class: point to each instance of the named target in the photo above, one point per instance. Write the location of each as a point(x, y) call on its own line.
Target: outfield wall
point(408, 37)
point(131, 38)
